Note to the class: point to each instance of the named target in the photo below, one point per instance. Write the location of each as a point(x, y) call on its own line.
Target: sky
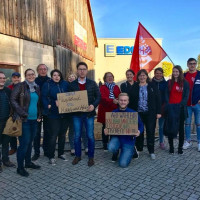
point(177, 22)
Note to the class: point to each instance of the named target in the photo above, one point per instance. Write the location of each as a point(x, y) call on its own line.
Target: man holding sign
point(126, 140)
point(86, 118)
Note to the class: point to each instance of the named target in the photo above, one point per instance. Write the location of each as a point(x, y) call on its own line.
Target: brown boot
point(76, 160)
point(12, 151)
point(90, 162)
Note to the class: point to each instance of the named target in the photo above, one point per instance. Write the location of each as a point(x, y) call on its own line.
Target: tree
point(198, 62)
point(167, 68)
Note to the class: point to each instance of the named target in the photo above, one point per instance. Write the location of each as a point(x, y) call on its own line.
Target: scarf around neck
point(110, 86)
point(32, 85)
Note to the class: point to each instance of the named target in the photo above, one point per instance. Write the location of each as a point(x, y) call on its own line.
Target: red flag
point(147, 53)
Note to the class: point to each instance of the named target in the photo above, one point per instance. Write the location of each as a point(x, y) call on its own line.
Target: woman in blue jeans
point(124, 142)
point(25, 99)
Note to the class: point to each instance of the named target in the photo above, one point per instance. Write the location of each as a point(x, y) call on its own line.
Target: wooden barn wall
point(49, 22)
point(66, 61)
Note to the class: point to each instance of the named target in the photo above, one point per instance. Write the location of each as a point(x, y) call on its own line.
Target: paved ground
point(168, 177)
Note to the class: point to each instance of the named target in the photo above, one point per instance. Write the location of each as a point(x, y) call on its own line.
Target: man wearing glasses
point(4, 115)
point(193, 77)
point(42, 70)
point(86, 118)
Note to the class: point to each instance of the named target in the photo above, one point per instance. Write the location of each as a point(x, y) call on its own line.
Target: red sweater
point(176, 94)
point(106, 104)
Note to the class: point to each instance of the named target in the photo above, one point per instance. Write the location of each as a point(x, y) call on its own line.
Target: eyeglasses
point(82, 69)
point(30, 74)
point(192, 63)
point(42, 69)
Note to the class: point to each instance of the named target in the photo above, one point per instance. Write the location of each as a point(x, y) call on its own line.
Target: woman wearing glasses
point(25, 99)
point(145, 99)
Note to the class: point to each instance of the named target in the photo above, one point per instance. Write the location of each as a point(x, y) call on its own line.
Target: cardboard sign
point(122, 123)
point(72, 102)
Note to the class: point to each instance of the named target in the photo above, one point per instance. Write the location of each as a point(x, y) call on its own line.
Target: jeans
point(36, 143)
point(57, 129)
point(196, 110)
point(161, 124)
point(89, 125)
point(71, 136)
point(127, 151)
point(4, 142)
point(149, 121)
point(29, 129)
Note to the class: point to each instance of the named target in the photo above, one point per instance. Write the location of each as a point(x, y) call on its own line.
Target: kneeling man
point(124, 142)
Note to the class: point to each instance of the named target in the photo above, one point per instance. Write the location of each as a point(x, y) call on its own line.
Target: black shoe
point(1, 169)
point(35, 157)
point(114, 157)
point(171, 151)
point(180, 151)
point(9, 164)
point(136, 154)
point(22, 172)
point(105, 148)
point(32, 166)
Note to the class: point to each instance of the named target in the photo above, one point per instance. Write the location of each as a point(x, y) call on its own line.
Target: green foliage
point(198, 62)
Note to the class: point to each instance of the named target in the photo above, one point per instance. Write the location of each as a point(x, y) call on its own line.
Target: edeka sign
point(113, 50)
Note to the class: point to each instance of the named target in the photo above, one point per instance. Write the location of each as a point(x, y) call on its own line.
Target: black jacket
point(5, 106)
point(125, 87)
point(154, 100)
point(20, 100)
point(93, 93)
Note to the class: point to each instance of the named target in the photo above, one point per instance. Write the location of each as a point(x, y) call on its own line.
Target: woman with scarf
point(161, 84)
point(58, 123)
point(25, 100)
point(176, 95)
point(109, 100)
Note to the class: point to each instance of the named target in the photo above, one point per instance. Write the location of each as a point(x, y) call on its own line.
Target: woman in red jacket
point(109, 100)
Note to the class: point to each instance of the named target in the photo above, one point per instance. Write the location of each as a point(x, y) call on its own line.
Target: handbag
point(13, 128)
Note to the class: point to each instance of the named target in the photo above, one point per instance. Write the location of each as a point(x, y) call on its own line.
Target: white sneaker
point(52, 161)
point(199, 147)
point(187, 145)
point(153, 156)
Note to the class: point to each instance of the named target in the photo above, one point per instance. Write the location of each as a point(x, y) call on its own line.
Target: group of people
point(34, 101)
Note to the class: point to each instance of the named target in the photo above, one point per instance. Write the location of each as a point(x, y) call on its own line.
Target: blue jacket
point(196, 89)
point(50, 90)
point(126, 139)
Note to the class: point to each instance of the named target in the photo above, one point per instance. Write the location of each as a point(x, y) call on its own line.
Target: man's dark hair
point(2, 72)
point(159, 69)
point(191, 59)
point(130, 70)
point(58, 71)
point(81, 63)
